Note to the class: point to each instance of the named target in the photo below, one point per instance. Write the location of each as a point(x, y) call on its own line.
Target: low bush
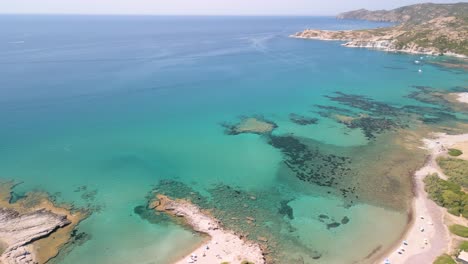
point(447, 194)
point(454, 152)
point(445, 259)
point(455, 169)
point(459, 230)
point(463, 246)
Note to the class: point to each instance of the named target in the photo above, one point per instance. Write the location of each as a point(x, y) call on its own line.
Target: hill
point(434, 29)
point(410, 14)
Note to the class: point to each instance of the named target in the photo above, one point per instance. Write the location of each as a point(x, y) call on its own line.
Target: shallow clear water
point(119, 103)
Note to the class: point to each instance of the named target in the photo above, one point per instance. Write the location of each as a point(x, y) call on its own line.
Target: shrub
point(459, 230)
point(444, 259)
point(463, 246)
point(455, 169)
point(454, 152)
point(447, 194)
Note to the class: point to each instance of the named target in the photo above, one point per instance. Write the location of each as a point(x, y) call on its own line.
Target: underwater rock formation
point(302, 120)
point(254, 125)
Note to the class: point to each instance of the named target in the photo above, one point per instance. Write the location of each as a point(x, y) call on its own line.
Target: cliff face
point(426, 29)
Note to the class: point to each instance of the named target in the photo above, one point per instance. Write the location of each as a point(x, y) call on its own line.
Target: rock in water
point(18, 231)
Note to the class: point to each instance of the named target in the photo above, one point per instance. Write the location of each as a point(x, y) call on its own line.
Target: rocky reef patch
point(253, 125)
point(261, 216)
point(302, 120)
point(311, 165)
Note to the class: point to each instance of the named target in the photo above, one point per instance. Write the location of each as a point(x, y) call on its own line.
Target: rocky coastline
point(445, 33)
point(224, 246)
point(33, 229)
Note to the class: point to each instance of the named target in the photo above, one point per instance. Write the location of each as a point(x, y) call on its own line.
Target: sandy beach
point(462, 97)
point(223, 245)
point(427, 236)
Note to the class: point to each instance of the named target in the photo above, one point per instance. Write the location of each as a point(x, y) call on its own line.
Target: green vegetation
point(459, 230)
point(454, 152)
point(450, 193)
point(463, 246)
point(437, 28)
point(447, 194)
point(412, 14)
point(455, 169)
point(445, 259)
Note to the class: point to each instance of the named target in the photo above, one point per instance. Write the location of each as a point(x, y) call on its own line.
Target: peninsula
point(432, 29)
point(224, 246)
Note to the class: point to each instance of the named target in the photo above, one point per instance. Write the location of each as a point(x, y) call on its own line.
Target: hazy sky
point(193, 7)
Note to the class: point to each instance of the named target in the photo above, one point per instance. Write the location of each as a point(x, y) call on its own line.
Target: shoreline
point(221, 245)
point(34, 229)
point(377, 45)
point(462, 97)
point(426, 236)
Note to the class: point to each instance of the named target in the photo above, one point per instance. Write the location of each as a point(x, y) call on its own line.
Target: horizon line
point(137, 14)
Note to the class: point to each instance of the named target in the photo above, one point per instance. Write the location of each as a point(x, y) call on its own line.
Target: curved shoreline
point(222, 246)
point(427, 235)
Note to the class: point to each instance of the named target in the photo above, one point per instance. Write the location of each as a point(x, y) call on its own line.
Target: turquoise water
point(117, 104)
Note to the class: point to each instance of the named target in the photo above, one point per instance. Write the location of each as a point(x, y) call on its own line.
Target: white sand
point(425, 246)
point(462, 97)
point(224, 245)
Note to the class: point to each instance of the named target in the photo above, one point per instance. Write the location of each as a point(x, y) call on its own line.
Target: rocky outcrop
point(34, 229)
point(391, 46)
point(439, 36)
point(443, 30)
point(18, 230)
point(223, 247)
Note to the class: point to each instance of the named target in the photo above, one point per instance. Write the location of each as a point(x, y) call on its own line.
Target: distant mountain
point(410, 14)
point(423, 28)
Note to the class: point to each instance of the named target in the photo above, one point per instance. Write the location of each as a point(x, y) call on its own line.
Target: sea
point(103, 112)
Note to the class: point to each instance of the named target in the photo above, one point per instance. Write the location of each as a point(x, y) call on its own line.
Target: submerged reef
point(445, 63)
point(253, 125)
point(286, 210)
point(309, 164)
point(302, 120)
point(262, 216)
point(331, 223)
point(429, 95)
point(375, 117)
point(364, 103)
point(224, 244)
point(33, 229)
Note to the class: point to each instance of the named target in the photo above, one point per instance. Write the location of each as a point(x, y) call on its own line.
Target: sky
point(199, 7)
